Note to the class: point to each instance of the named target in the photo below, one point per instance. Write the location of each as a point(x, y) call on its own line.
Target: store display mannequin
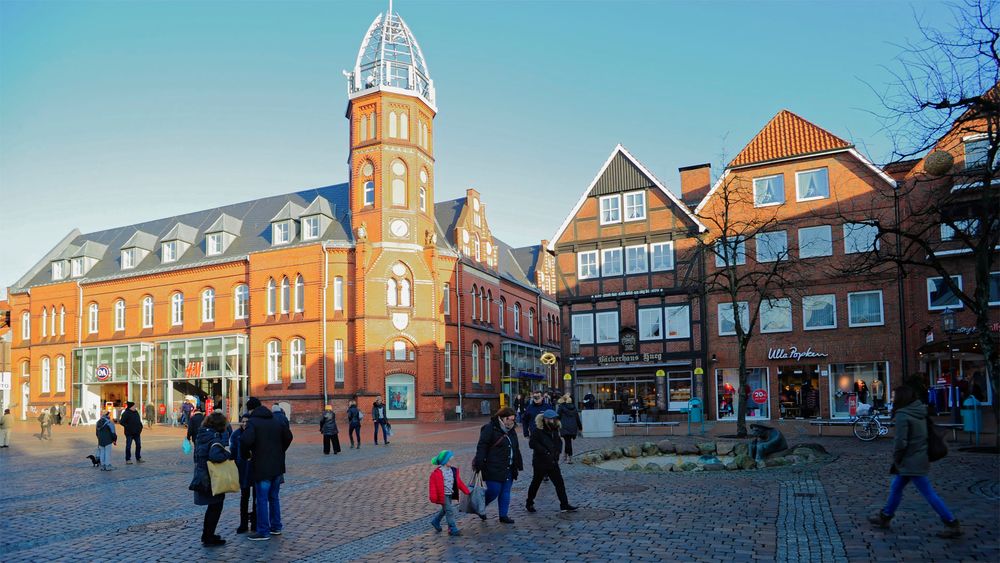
point(810, 399)
point(878, 393)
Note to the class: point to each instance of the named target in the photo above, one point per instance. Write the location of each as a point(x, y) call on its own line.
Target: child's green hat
point(442, 458)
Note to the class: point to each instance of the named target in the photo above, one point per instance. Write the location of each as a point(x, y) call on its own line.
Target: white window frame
point(613, 212)
point(517, 318)
point(974, 140)
point(58, 270)
point(808, 298)
point(799, 186)
point(92, 318)
point(338, 361)
point(273, 361)
point(147, 312)
point(446, 299)
point(487, 364)
point(52, 322)
point(281, 232)
point(338, 293)
point(168, 252)
point(647, 319)
point(208, 305)
point(850, 309)
point(764, 239)
point(722, 258)
point(399, 351)
point(594, 269)
point(241, 301)
point(475, 363)
point(62, 320)
point(272, 296)
point(957, 305)
point(297, 360)
point(119, 315)
point(60, 374)
point(285, 295)
point(665, 249)
point(637, 269)
point(25, 326)
point(300, 294)
point(46, 375)
point(605, 315)
point(369, 193)
point(310, 227)
point(769, 306)
point(670, 314)
point(447, 362)
point(531, 322)
point(45, 322)
point(502, 310)
point(851, 231)
point(128, 258)
point(607, 259)
point(580, 321)
point(627, 205)
point(744, 311)
point(827, 250)
point(76, 267)
point(214, 243)
point(177, 309)
point(756, 200)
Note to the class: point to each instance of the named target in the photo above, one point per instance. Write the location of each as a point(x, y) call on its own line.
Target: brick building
point(319, 296)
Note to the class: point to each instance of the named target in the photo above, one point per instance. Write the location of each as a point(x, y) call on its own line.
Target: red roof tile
point(787, 135)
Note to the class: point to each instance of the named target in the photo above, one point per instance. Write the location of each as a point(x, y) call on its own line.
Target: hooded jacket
point(203, 453)
point(497, 452)
point(569, 420)
point(910, 442)
point(264, 442)
point(545, 444)
point(106, 431)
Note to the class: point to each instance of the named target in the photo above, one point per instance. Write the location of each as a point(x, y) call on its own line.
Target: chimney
point(695, 182)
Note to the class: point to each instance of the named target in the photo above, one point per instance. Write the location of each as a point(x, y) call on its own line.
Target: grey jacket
point(911, 440)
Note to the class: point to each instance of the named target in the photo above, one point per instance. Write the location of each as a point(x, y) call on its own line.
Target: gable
point(785, 136)
point(621, 175)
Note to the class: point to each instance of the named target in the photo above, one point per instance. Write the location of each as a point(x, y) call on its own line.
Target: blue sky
point(113, 113)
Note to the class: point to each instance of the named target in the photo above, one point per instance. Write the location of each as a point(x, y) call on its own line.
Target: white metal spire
point(389, 57)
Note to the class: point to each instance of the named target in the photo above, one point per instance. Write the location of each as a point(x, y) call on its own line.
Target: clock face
point(423, 176)
point(367, 169)
point(399, 228)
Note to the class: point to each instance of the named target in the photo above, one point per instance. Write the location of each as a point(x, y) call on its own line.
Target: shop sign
point(793, 353)
point(630, 293)
point(628, 358)
point(103, 372)
point(163, 409)
point(852, 404)
point(629, 339)
point(193, 369)
point(759, 396)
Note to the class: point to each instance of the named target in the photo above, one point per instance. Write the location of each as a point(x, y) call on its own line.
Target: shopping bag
point(474, 503)
point(186, 446)
point(388, 429)
point(224, 476)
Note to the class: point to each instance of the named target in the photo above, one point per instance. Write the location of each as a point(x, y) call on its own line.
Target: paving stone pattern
point(371, 505)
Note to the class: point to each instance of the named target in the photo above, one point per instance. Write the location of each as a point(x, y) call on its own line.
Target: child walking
point(444, 486)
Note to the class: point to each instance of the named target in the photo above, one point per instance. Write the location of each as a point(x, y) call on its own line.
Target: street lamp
point(574, 351)
point(948, 326)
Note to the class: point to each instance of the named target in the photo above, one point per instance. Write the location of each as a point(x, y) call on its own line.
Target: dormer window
point(76, 267)
point(214, 243)
point(58, 270)
point(281, 233)
point(310, 228)
point(169, 252)
point(129, 258)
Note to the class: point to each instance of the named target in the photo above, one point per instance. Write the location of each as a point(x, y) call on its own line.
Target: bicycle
point(868, 427)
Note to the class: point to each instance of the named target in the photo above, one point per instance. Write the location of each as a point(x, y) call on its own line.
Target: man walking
point(380, 419)
point(45, 420)
point(6, 425)
point(535, 407)
point(132, 425)
point(264, 442)
point(186, 409)
point(150, 414)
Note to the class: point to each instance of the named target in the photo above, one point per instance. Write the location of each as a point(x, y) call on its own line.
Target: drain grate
point(625, 489)
point(587, 515)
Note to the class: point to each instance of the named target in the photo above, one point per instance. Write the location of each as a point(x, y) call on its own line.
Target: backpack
point(936, 448)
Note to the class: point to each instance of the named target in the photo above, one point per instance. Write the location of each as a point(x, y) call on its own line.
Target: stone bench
point(646, 425)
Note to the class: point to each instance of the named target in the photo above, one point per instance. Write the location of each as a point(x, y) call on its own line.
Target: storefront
point(522, 370)
point(755, 393)
point(107, 377)
point(201, 371)
point(626, 387)
point(962, 359)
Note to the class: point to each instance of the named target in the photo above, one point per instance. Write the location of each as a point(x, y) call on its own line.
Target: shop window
point(517, 318)
point(286, 294)
point(635, 259)
point(812, 184)
point(661, 256)
point(650, 324)
point(994, 288)
point(860, 237)
point(583, 327)
point(940, 296)
point(730, 252)
point(819, 312)
point(864, 308)
point(475, 363)
point(611, 209)
point(60, 374)
point(338, 293)
point(488, 364)
point(769, 190)
point(119, 315)
point(678, 321)
point(772, 247)
point(274, 361)
point(728, 397)
point(147, 312)
point(611, 262)
point(300, 294)
point(46, 375)
point(271, 296)
point(635, 206)
point(727, 320)
point(587, 265)
point(678, 390)
point(447, 362)
point(775, 315)
point(815, 241)
point(338, 361)
point(177, 309)
point(208, 306)
point(92, 318)
point(607, 326)
point(860, 383)
point(297, 357)
point(241, 301)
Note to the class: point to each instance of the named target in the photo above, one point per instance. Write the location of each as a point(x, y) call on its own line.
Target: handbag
point(186, 446)
point(936, 448)
point(475, 502)
point(224, 475)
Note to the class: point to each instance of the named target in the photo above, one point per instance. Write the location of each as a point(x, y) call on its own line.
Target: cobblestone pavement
point(371, 504)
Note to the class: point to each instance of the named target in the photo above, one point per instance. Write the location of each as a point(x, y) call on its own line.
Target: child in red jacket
point(444, 486)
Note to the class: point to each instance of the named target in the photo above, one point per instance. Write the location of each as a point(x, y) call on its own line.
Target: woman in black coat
point(570, 425)
point(210, 445)
point(545, 446)
point(498, 458)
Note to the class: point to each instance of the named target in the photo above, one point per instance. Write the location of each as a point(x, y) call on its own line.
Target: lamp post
point(574, 351)
point(948, 326)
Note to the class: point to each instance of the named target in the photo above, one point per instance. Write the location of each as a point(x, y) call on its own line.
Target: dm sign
point(104, 372)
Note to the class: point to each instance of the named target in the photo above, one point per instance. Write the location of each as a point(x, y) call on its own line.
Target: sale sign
point(759, 396)
point(852, 404)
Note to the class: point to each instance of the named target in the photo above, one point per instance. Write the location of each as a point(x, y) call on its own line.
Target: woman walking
point(545, 446)
point(570, 424)
point(328, 426)
point(498, 458)
point(210, 445)
point(354, 422)
point(911, 464)
point(106, 437)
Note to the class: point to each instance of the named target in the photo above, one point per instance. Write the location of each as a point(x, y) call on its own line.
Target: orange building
point(319, 296)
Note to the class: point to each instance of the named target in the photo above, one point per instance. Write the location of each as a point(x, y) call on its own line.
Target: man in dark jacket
point(248, 518)
point(279, 414)
point(546, 445)
point(498, 458)
point(381, 419)
point(194, 423)
point(264, 442)
point(534, 408)
point(150, 414)
point(132, 424)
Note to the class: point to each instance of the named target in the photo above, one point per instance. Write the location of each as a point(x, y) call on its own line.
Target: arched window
point(45, 322)
point(92, 318)
point(517, 318)
point(52, 323)
point(297, 352)
point(475, 363)
point(60, 374)
point(391, 295)
point(208, 306)
point(487, 364)
point(271, 296)
point(369, 193)
point(46, 375)
point(120, 315)
point(62, 320)
point(177, 309)
point(392, 124)
point(531, 322)
point(300, 294)
point(398, 170)
point(482, 304)
point(404, 293)
point(25, 369)
point(147, 312)
point(241, 301)
point(488, 308)
point(25, 326)
point(363, 133)
point(475, 246)
point(399, 350)
point(501, 312)
point(475, 301)
point(286, 294)
point(274, 361)
point(404, 126)
point(338, 293)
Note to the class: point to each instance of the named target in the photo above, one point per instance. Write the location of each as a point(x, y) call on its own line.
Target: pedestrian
point(569, 425)
point(328, 426)
point(186, 409)
point(354, 416)
point(534, 408)
point(518, 404)
point(248, 517)
point(445, 483)
point(545, 446)
point(106, 437)
point(210, 446)
point(45, 420)
point(54, 412)
point(589, 401)
point(279, 414)
point(6, 426)
point(132, 425)
point(911, 464)
point(150, 414)
point(380, 419)
point(498, 459)
point(265, 440)
point(194, 423)
point(61, 410)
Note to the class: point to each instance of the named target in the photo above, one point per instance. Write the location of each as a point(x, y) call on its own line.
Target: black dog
point(93, 460)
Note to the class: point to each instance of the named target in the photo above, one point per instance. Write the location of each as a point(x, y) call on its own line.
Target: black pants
point(553, 473)
point(354, 430)
point(212, 514)
point(247, 516)
point(129, 438)
point(331, 440)
point(568, 445)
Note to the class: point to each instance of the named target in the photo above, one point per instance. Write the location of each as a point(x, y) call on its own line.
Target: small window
point(53, 324)
point(611, 209)
point(300, 294)
point(274, 361)
point(392, 295)
point(727, 321)
point(119, 315)
point(241, 301)
point(177, 309)
point(976, 152)
point(772, 246)
point(281, 232)
point(45, 322)
point(208, 306)
point(864, 308)
point(25, 326)
point(587, 265)
point(730, 252)
point(369, 193)
point(475, 363)
point(310, 228)
point(392, 124)
point(940, 296)
point(635, 259)
point(819, 312)
point(517, 318)
point(611, 262)
point(678, 319)
point(147, 312)
point(607, 326)
point(650, 324)
point(92, 319)
point(583, 328)
point(404, 126)
point(447, 362)
point(488, 364)
point(338, 293)
point(60, 374)
point(128, 258)
point(338, 361)
point(635, 206)
point(661, 256)
point(502, 312)
point(76, 267)
point(531, 322)
point(769, 190)
point(860, 237)
point(812, 184)
point(62, 320)
point(297, 356)
point(968, 227)
point(776, 315)
point(168, 252)
point(399, 351)
point(271, 296)
point(446, 299)
point(58, 270)
point(46, 376)
point(423, 198)
point(286, 294)
point(815, 241)
point(214, 243)
point(404, 293)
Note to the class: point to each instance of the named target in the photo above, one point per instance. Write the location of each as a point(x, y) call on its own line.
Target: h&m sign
point(793, 353)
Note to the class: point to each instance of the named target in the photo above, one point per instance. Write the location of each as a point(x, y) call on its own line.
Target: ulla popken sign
point(793, 353)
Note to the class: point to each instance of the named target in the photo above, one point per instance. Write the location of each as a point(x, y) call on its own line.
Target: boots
point(881, 520)
point(951, 530)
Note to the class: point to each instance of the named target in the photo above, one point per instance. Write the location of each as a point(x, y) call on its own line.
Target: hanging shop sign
point(103, 372)
point(629, 338)
point(794, 353)
point(759, 396)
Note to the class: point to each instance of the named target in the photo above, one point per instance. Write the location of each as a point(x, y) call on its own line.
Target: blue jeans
point(500, 489)
point(447, 512)
point(385, 437)
point(268, 505)
point(924, 486)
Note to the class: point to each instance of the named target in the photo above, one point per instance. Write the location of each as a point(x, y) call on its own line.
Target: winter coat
point(497, 452)
point(150, 412)
point(243, 465)
point(328, 424)
point(204, 452)
point(545, 445)
point(131, 422)
point(281, 417)
point(531, 410)
point(378, 413)
point(436, 492)
point(569, 420)
point(194, 423)
point(910, 444)
point(353, 415)
point(187, 408)
point(45, 418)
point(106, 433)
point(6, 422)
point(264, 442)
